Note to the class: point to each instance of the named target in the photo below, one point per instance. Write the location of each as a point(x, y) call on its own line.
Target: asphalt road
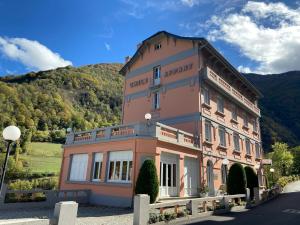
point(283, 210)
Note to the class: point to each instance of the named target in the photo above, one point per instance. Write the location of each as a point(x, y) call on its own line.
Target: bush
point(283, 181)
point(147, 182)
point(252, 180)
point(236, 183)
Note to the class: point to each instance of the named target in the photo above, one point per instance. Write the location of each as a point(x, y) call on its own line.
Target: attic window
point(157, 46)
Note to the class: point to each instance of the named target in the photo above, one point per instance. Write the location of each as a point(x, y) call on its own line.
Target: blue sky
point(255, 36)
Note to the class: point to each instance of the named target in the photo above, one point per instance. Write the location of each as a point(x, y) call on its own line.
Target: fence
point(48, 199)
point(184, 210)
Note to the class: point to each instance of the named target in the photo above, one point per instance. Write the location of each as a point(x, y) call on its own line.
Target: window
point(157, 46)
point(257, 150)
point(245, 120)
point(220, 104)
point(234, 113)
point(120, 166)
point(255, 125)
point(156, 75)
point(207, 131)
point(78, 167)
point(236, 142)
point(248, 147)
point(156, 100)
point(97, 167)
point(224, 173)
point(206, 96)
point(222, 136)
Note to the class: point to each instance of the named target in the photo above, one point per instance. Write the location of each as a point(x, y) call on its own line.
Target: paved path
point(86, 216)
point(283, 210)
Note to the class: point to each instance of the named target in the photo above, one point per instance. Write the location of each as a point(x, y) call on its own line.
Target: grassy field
point(44, 157)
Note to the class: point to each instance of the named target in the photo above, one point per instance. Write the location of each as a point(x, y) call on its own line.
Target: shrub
point(236, 183)
point(252, 180)
point(147, 182)
point(283, 181)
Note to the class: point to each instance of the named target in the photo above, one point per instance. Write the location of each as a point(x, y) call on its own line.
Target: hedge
point(147, 182)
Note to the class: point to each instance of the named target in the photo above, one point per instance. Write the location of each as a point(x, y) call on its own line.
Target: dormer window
point(157, 46)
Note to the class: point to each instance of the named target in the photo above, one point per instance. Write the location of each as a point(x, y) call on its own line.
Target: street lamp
point(272, 172)
point(225, 162)
point(10, 134)
point(148, 117)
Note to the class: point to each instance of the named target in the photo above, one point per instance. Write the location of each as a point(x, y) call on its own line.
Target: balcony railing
point(158, 130)
point(217, 80)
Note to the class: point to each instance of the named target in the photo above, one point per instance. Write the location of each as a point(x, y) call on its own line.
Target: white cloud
point(107, 46)
point(190, 3)
point(31, 54)
point(244, 69)
point(267, 33)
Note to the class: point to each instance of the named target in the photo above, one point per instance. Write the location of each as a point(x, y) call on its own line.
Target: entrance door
point(191, 176)
point(168, 176)
point(210, 178)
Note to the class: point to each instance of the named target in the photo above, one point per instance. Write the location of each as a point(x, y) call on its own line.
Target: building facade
point(204, 117)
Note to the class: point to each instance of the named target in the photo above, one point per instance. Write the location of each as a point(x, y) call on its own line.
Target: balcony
point(157, 130)
point(213, 78)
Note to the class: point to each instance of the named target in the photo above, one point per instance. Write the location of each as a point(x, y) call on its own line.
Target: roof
point(205, 44)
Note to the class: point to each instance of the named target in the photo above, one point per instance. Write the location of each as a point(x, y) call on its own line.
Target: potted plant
point(204, 191)
point(222, 189)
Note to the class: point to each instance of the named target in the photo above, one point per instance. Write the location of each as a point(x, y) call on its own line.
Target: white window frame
point(156, 100)
point(236, 142)
point(98, 158)
point(206, 96)
point(220, 104)
point(255, 125)
point(248, 146)
point(234, 113)
point(222, 130)
point(78, 167)
point(257, 150)
point(156, 72)
point(207, 127)
point(157, 46)
point(122, 157)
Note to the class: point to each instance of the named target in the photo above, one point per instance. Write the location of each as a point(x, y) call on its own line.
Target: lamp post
point(148, 117)
point(272, 172)
point(10, 135)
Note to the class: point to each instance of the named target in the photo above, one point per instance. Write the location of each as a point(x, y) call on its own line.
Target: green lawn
point(43, 157)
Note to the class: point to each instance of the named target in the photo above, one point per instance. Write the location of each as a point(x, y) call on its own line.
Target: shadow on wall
point(280, 211)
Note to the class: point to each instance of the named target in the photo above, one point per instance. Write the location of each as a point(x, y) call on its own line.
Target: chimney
point(127, 58)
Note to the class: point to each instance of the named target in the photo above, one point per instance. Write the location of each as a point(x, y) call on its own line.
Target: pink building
point(204, 117)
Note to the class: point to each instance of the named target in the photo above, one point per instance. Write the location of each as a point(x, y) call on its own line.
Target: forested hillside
point(45, 103)
point(280, 107)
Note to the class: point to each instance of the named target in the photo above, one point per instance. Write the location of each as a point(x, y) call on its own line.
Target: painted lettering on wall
point(139, 82)
point(179, 69)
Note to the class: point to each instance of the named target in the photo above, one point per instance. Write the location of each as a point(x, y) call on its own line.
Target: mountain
point(45, 103)
point(280, 107)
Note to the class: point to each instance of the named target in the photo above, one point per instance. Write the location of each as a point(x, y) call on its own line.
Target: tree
point(296, 165)
point(147, 182)
point(236, 183)
point(252, 180)
point(282, 159)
